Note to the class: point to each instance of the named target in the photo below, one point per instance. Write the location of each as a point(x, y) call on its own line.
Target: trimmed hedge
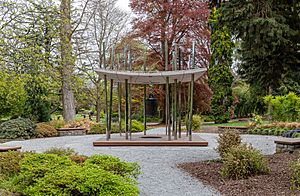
point(18, 128)
point(56, 173)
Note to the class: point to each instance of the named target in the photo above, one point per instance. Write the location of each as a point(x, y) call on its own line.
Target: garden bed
point(277, 182)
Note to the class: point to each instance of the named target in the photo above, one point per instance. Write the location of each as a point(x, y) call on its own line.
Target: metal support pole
point(126, 109)
point(145, 95)
point(168, 109)
point(175, 109)
point(111, 92)
point(167, 85)
point(119, 100)
point(188, 110)
point(179, 96)
point(129, 94)
point(191, 107)
point(106, 108)
point(179, 109)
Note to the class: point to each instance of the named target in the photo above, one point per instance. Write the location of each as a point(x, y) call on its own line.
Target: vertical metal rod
point(167, 85)
point(129, 94)
point(106, 108)
point(175, 109)
point(111, 91)
point(188, 110)
point(126, 109)
point(167, 109)
point(191, 107)
point(174, 97)
point(192, 89)
point(126, 96)
point(179, 96)
point(145, 95)
point(119, 99)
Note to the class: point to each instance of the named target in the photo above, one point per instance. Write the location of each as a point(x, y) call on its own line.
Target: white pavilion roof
point(159, 77)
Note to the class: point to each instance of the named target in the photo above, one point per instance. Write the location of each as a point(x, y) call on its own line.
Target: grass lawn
point(233, 123)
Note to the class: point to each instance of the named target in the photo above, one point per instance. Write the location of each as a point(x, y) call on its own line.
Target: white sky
point(124, 4)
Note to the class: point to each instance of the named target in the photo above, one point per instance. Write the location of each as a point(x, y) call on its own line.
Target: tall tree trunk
point(67, 61)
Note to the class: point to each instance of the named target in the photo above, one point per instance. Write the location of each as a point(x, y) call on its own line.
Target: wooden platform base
point(9, 148)
point(150, 143)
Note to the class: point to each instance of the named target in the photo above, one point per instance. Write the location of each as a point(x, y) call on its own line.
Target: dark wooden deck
point(151, 140)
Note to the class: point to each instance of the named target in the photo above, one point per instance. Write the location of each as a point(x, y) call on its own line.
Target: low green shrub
point(243, 161)
point(18, 128)
point(61, 151)
point(295, 174)
point(57, 123)
point(100, 128)
point(226, 140)
point(136, 126)
point(35, 166)
point(69, 152)
point(64, 172)
point(10, 163)
point(97, 128)
point(45, 130)
point(265, 132)
point(196, 122)
point(114, 165)
point(296, 135)
point(76, 180)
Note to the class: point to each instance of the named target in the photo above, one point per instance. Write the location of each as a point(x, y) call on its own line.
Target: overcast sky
point(124, 4)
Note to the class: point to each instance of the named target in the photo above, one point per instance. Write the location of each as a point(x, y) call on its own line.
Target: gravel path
point(160, 174)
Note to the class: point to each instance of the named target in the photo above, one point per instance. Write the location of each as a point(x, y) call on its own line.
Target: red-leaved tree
point(177, 22)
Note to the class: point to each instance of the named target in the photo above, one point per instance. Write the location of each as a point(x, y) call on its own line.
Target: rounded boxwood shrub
point(18, 128)
point(97, 128)
point(136, 126)
point(196, 122)
point(45, 130)
point(226, 140)
point(243, 161)
point(86, 180)
point(114, 165)
point(57, 173)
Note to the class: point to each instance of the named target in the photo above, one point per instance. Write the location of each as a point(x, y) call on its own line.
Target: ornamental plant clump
point(226, 140)
point(57, 173)
point(295, 174)
point(18, 128)
point(284, 108)
point(196, 122)
point(243, 161)
point(45, 130)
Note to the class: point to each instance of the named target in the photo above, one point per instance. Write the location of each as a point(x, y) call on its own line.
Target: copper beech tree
point(177, 22)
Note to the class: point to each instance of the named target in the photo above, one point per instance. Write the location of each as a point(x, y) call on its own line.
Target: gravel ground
point(160, 174)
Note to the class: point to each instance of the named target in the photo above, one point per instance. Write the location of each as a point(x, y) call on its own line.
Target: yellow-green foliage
point(226, 140)
point(196, 122)
point(284, 108)
point(12, 95)
point(45, 130)
point(10, 163)
point(63, 172)
point(295, 174)
point(57, 123)
point(243, 161)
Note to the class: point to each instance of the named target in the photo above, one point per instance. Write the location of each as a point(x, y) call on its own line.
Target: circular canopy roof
point(160, 77)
